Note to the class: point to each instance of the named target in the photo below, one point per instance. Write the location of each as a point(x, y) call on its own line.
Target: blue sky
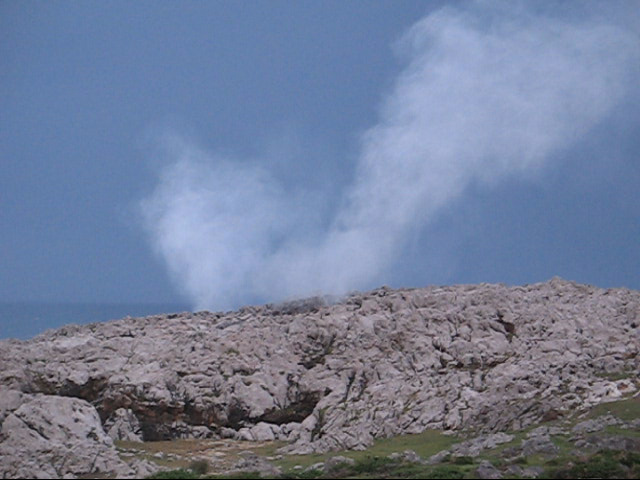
point(224, 153)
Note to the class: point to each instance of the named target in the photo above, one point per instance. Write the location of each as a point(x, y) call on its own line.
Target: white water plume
point(491, 90)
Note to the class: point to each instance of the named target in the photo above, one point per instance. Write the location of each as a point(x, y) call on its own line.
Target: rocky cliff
point(321, 375)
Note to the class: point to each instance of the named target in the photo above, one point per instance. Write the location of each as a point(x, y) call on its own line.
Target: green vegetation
point(199, 467)
point(236, 476)
point(445, 472)
point(604, 464)
point(179, 473)
point(625, 410)
point(374, 464)
point(307, 474)
point(425, 444)
point(567, 461)
point(462, 461)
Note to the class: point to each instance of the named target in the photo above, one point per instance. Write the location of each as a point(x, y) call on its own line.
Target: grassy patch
point(627, 410)
point(178, 473)
point(623, 432)
point(374, 462)
point(267, 449)
point(497, 452)
point(236, 476)
point(195, 455)
point(462, 461)
point(604, 464)
point(563, 443)
point(176, 447)
point(382, 467)
point(309, 474)
point(446, 471)
point(424, 444)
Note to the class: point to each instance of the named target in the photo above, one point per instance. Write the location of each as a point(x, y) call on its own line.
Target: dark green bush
point(462, 460)
point(445, 472)
point(236, 476)
point(373, 465)
point(170, 474)
point(409, 470)
point(304, 474)
point(630, 459)
point(600, 465)
point(199, 467)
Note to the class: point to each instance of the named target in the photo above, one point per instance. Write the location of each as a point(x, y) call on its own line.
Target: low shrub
point(171, 474)
point(373, 465)
point(446, 472)
point(199, 467)
point(462, 460)
point(600, 465)
point(303, 475)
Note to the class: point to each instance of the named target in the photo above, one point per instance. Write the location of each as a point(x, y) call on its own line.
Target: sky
point(230, 153)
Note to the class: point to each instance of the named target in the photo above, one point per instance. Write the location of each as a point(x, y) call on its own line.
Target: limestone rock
point(487, 470)
point(595, 424)
point(316, 467)
point(609, 442)
point(335, 374)
point(123, 425)
point(439, 457)
point(475, 446)
point(408, 456)
point(250, 462)
point(52, 437)
point(540, 444)
point(10, 400)
point(137, 468)
point(334, 463)
point(516, 471)
point(262, 432)
point(537, 442)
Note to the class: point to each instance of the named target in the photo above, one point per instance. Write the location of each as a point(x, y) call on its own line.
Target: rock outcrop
point(46, 436)
point(325, 375)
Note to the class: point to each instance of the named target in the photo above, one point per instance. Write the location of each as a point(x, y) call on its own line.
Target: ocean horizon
point(23, 320)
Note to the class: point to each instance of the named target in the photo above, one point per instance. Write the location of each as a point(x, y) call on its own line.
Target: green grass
point(374, 462)
point(624, 432)
point(462, 460)
point(237, 476)
point(446, 471)
point(604, 464)
point(565, 447)
point(382, 467)
point(170, 474)
point(627, 410)
point(310, 474)
point(269, 449)
point(425, 444)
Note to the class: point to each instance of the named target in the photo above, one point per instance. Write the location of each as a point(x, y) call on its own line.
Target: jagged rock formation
point(326, 376)
point(50, 437)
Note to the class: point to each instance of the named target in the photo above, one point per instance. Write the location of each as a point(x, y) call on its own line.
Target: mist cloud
point(490, 91)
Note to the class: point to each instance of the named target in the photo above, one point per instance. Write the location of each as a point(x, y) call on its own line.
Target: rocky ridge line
point(485, 358)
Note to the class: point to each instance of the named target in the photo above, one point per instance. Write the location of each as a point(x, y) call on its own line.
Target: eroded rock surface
point(326, 375)
point(50, 437)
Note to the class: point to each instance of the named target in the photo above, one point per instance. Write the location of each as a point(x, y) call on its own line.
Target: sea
point(23, 320)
